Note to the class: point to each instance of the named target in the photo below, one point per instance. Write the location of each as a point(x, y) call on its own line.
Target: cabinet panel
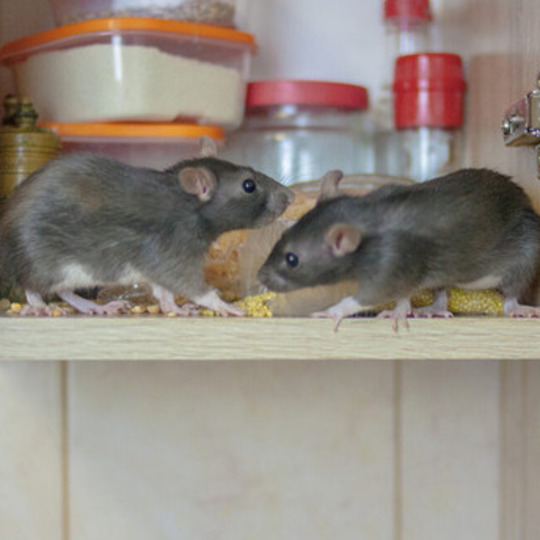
point(450, 450)
point(31, 452)
point(232, 450)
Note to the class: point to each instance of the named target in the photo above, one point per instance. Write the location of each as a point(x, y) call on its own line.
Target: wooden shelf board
point(163, 338)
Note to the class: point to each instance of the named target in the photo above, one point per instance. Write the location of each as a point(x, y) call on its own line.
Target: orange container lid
point(116, 24)
point(134, 131)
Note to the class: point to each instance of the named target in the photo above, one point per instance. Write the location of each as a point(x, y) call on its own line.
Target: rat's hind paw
point(88, 307)
point(36, 311)
point(512, 308)
point(439, 307)
point(115, 307)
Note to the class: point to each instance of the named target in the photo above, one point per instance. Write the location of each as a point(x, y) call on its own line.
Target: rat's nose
point(285, 196)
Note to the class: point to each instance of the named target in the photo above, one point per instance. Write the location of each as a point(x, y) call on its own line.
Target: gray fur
point(109, 217)
point(445, 232)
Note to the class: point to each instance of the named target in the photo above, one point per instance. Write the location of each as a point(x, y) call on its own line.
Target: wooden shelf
point(162, 338)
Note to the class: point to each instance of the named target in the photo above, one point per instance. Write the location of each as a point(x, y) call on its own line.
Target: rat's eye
point(249, 185)
point(292, 259)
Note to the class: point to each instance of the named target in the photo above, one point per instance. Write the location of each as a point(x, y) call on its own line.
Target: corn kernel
point(254, 306)
point(423, 299)
point(153, 309)
point(57, 312)
point(461, 302)
point(485, 302)
point(16, 307)
point(257, 305)
point(137, 310)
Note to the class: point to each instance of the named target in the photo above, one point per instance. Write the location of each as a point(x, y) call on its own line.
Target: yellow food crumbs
point(257, 305)
point(462, 302)
point(205, 312)
point(254, 306)
point(485, 302)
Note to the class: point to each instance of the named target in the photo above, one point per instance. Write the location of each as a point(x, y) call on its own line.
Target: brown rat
point(473, 229)
point(86, 220)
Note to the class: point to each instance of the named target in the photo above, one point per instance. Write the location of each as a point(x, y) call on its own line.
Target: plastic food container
point(133, 69)
point(230, 13)
point(157, 146)
point(297, 130)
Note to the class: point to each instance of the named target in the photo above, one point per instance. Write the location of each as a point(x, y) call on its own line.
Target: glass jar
point(297, 130)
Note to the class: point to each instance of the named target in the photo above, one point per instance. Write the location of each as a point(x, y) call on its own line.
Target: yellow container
point(24, 148)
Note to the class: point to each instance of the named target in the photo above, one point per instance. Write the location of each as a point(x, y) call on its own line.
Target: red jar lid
point(404, 9)
point(429, 90)
point(304, 92)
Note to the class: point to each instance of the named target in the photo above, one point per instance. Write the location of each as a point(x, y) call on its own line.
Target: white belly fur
point(76, 276)
point(487, 282)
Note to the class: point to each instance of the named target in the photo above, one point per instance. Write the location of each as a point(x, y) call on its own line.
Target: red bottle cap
point(407, 9)
point(305, 92)
point(429, 90)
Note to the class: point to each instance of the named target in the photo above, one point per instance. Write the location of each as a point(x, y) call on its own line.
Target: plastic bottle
point(408, 26)
point(429, 91)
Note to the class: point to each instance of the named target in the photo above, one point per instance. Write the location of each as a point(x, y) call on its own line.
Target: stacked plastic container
point(135, 78)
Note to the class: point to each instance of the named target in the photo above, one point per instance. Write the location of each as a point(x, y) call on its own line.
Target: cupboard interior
point(377, 449)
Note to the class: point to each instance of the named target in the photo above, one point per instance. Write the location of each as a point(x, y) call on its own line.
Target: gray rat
point(86, 220)
point(473, 229)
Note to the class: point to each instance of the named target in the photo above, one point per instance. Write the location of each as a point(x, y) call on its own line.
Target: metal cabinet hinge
point(521, 122)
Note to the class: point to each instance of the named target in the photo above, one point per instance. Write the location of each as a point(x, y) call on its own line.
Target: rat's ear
point(342, 238)
point(198, 181)
point(207, 147)
point(329, 185)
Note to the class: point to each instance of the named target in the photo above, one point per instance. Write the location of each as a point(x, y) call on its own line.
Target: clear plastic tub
point(228, 13)
point(297, 130)
point(157, 146)
point(133, 69)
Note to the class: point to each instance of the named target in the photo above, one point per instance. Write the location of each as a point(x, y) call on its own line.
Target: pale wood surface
point(449, 415)
point(32, 458)
point(162, 338)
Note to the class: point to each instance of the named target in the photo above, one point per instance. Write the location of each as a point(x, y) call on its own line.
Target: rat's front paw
point(329, 314)
point(345, 307)
point(401, 311)
point(212, 301)
point(430, 312)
